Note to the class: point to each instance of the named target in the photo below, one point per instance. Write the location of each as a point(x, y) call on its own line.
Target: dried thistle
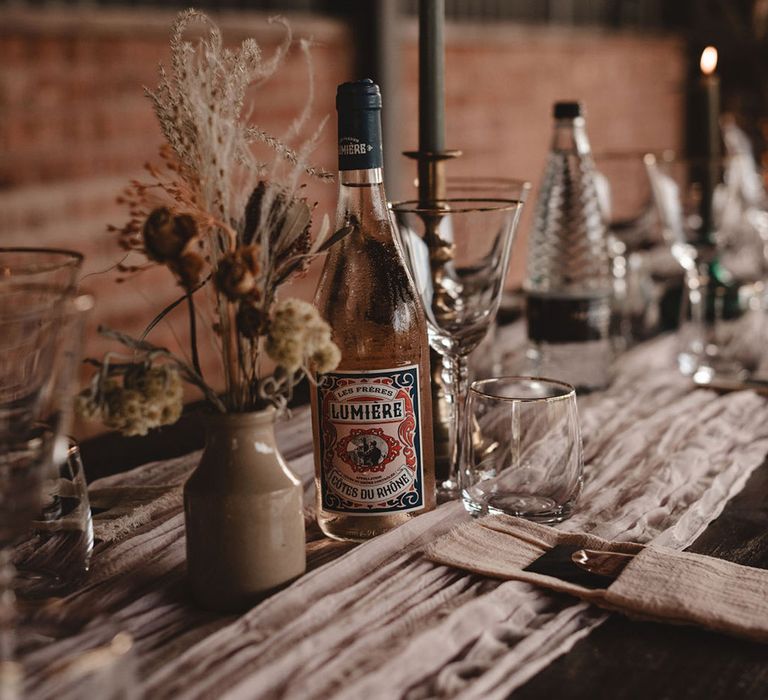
point(188, 269)
point(236, 276)
point(251, 322)
point(167, 235)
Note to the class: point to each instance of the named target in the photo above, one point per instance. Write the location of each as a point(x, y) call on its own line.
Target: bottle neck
point(361, 191)
point(362, 201)
point(571, 135)
point(356, 178)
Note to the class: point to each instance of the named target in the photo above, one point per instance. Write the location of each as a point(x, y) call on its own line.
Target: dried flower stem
point(254, 133)
point(193, 334)
point(168, 310)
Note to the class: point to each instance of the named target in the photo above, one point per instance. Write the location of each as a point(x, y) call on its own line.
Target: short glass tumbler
point(523, 449)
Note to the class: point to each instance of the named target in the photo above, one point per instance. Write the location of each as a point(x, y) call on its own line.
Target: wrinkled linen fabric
point(656, 583)
point(380, 620)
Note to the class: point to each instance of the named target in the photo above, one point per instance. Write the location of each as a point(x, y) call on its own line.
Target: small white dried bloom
point(288, 318)
point(286, 350)
point(298, 337)
point(148, 398)
point(171, 412)
point(131, 404)
point(317, 335)
point(86, 407)
point(132, 428)
point(287, 330)
point(326, 358)
point(153, 413)
point(155, 382)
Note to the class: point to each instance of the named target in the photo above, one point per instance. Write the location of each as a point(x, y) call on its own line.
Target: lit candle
point(431, 76)
point(711, 172)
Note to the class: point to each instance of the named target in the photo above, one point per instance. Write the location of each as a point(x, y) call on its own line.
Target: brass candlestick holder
point(432, 188)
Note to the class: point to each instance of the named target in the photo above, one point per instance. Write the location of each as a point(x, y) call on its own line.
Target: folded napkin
point(656, 583)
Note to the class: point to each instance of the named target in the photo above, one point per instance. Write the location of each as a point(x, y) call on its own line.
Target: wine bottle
point(372, 416)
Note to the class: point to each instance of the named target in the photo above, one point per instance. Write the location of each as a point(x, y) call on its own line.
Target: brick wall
point(503, 81)
point(74, 124)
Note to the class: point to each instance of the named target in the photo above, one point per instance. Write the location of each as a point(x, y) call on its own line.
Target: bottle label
point(360, 139)
point(370, 441)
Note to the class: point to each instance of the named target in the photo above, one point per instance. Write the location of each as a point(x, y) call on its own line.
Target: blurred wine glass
point(457, 251)
point(49, 266)
point(714, 239)
point(643, 269)
point(55, 554)
point(40, 336)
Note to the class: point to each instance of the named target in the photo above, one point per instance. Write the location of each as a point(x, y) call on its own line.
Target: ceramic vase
point(244, 515)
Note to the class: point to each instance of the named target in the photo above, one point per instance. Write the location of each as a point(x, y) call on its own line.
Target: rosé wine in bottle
point(372, 416)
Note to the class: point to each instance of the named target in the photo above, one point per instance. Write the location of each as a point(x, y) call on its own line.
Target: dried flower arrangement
point(229, 226)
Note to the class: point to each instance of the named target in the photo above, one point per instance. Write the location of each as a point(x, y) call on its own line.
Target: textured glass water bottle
point(372, 417)
point(569, 284)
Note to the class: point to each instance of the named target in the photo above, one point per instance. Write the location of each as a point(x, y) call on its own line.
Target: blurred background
point(75, 124)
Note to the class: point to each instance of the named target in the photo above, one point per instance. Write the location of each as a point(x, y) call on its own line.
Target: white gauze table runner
point(662, 460)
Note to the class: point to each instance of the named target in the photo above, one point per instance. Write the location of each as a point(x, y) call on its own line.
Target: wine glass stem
point(9, 671)
point(456, 392)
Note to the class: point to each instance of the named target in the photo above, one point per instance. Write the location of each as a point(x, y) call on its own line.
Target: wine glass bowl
point(50, 266)
point(29, 329)
point(486, 358)
point(22, 470)
point(40, 336)
point(457, 251)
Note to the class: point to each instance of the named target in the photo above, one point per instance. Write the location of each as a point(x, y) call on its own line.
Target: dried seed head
point(189, 269)
point(166, 236)
point(236, 274)
point(251, 322)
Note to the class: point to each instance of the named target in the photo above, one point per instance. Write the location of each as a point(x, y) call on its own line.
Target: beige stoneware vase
point(244, 514)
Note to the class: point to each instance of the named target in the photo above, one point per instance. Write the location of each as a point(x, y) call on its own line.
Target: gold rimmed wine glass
point(457, 251)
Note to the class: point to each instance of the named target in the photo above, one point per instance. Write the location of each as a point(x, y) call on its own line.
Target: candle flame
point(708, 60)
